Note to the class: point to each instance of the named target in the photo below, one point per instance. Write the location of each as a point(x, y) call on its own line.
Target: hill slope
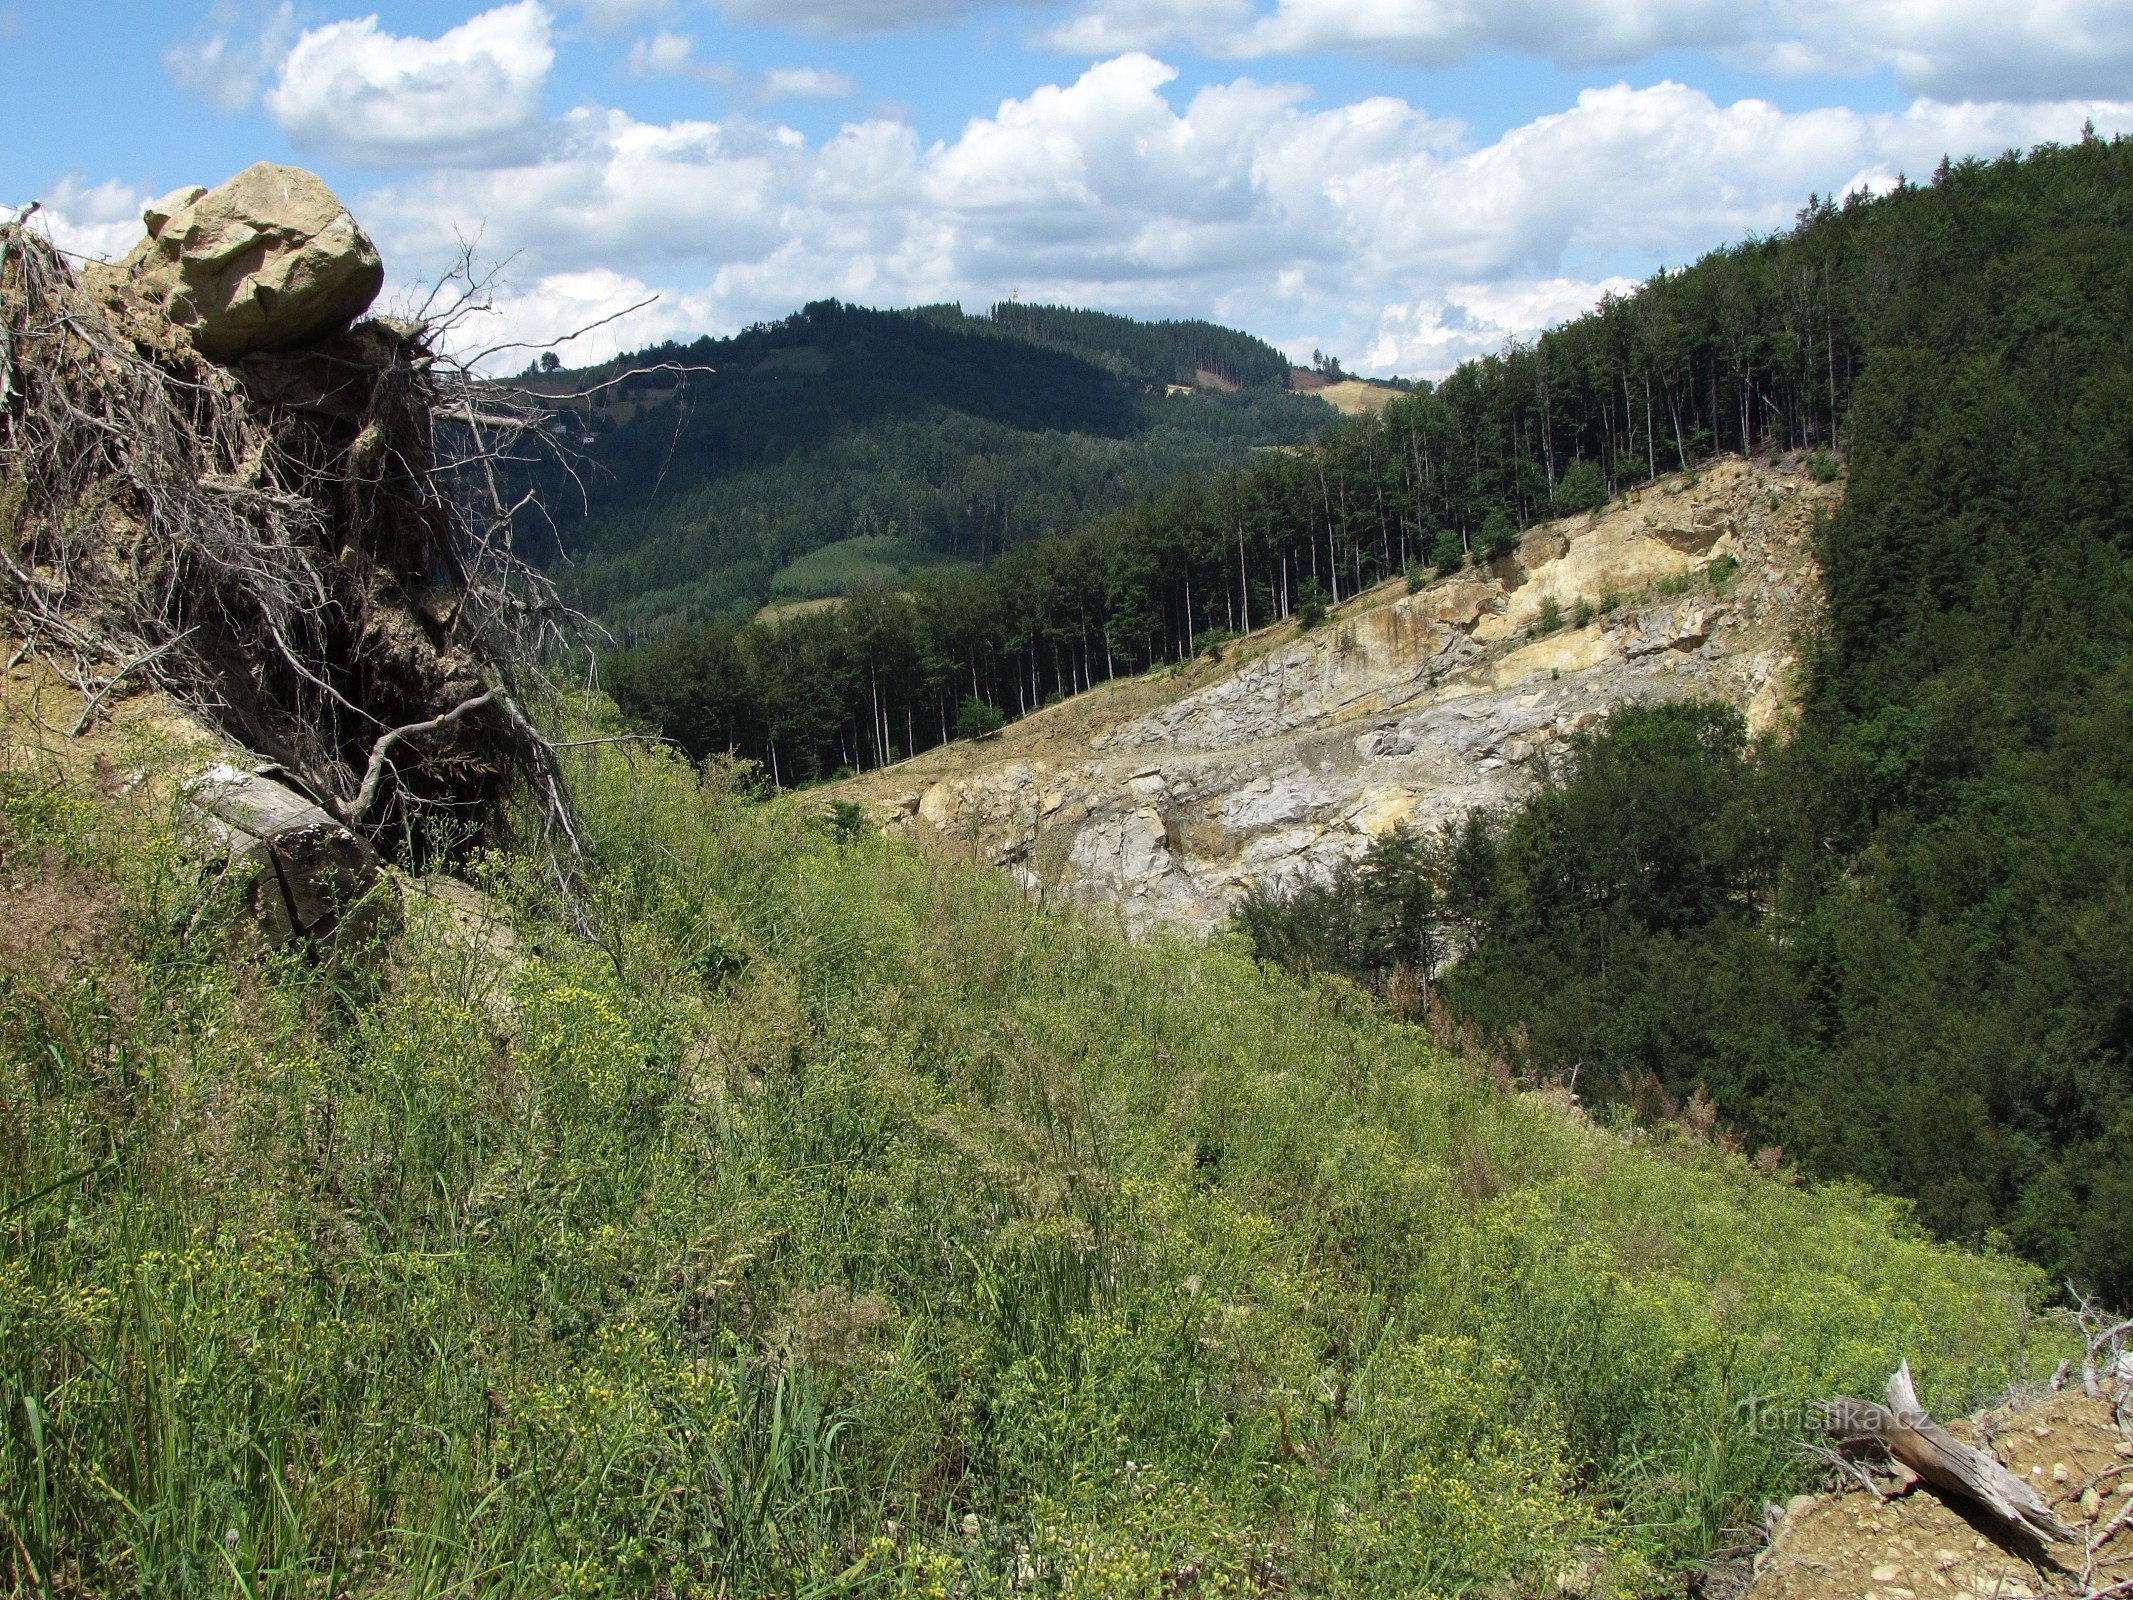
point(832, 1222)
point(1173, 797)
point(1893, 945)
point(953, 437)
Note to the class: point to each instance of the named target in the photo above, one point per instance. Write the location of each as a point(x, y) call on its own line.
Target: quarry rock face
point(1172, 804)
point(267, 260)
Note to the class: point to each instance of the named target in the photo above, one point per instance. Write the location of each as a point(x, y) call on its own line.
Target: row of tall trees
point(1156, 352)
point(1755, 348)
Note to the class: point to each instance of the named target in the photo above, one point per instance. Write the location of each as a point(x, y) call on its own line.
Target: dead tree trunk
point(1903, 1429)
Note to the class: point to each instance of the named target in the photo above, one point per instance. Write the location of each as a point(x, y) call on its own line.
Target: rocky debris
point(268, 260)
point(1407, 708)
point(305, 876)
point(1902, 1541)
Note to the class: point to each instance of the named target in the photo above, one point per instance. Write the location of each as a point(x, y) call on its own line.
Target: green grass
point(872, 561)
point(835, 1223)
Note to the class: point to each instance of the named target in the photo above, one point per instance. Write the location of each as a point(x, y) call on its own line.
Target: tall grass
point(833, 1223)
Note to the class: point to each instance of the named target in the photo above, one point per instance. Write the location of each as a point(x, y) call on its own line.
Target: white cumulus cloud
point(352, 92)
point(1951, 49)
point(1371, 228)
point(235, 50)
point(102, 221)
point(612, 191)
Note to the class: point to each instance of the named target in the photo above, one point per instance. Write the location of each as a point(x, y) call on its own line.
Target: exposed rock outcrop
point(268, 260)
point(1402, 708)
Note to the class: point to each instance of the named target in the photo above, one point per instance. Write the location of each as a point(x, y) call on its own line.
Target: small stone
point(1885, 1573)
point(2059, 1472)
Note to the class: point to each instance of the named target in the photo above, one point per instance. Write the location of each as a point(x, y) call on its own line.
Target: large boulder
point(267, 260)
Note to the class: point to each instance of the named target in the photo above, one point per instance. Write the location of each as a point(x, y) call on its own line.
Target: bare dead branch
point(479, 356)
point(357, 809)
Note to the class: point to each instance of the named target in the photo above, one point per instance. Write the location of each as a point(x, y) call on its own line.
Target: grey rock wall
point(1402, 709)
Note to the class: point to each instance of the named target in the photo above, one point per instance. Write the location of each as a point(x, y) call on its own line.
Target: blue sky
point(1404, 182)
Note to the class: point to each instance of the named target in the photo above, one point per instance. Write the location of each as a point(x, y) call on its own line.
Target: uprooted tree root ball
point(305, 548)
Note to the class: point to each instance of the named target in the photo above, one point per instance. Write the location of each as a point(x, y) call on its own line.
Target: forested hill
point(1896, 946)
point(878, 443)
point(1191, 352)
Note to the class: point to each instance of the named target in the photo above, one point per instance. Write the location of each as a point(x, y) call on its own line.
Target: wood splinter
point(1903, 1429)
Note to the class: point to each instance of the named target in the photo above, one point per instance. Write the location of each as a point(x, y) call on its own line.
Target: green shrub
point(1499, 535)
point(977, 720)
point(846, 821)
point(1310, 603)
point(1583, 488)
point(1449, 552)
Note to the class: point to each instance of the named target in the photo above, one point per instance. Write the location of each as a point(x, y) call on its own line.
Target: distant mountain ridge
point(1192, 353)
point(920, 437)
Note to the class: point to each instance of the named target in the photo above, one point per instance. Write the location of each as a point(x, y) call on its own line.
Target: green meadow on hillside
point(850, 566)
point(826, 1220)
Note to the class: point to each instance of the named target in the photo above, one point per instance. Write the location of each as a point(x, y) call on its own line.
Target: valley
point(1221, 998)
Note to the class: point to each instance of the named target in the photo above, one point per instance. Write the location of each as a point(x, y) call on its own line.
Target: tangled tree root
point(307, 550)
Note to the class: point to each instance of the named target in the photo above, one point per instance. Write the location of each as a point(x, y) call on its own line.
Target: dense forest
point(1154, 352)
point(1896, 944)
point(1757, 347)
point(699, 474)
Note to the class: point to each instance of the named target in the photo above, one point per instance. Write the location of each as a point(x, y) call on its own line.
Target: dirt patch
point(136, 734)
point(1914, 1544)
point(1352, 397)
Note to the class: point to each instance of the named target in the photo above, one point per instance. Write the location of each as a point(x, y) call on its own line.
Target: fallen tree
point(306, 547)
point(1904, 1432)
